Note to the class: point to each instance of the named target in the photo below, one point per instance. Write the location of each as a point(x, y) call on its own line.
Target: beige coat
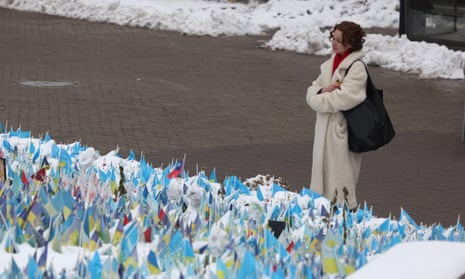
point(334, 167)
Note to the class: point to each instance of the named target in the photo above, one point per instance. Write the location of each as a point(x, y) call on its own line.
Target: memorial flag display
point(67, 211)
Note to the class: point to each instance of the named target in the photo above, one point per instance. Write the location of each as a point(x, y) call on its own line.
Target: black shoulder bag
point(368, 123)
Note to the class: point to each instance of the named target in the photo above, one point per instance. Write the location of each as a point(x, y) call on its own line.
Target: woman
point(335, 168)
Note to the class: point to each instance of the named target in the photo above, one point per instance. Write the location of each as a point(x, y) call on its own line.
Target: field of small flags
point(67, 211)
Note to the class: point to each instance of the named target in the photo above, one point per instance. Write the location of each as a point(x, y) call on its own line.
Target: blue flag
point(131, 236)
point(385, 226)
point(277, 188)
point(131, 156)
point(43, 258)
point(15, 271)
point(213, 176)
point(248, 266)
point(32, 269)
point(95, 267)
point(405, 217)
point(259, 194)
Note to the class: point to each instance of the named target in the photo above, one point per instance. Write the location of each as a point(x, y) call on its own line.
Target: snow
point(302, 26)
point(426, 260)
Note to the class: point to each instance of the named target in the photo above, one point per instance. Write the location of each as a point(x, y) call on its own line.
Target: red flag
point(178, 170)
point(148, 235)
point(126, 220)
point(39, 175)
point(161, 214)
point(290, 247)
point(24, 178)
point(76, 190)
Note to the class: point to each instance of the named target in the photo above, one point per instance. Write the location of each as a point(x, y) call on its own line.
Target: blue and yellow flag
point(222, 271)
point(118, 235)
point(152, 263)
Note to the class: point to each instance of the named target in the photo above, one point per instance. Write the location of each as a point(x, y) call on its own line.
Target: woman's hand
point(331, 87)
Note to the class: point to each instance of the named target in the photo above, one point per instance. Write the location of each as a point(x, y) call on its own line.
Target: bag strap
point(350, 66)
point(369, 81)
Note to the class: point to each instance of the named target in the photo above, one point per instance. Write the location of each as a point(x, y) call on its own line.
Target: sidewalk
point(227, 103)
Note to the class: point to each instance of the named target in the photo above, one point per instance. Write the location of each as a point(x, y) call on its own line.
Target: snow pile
point(302, 26)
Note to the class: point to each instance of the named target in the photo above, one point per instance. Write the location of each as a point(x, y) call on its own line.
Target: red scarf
point(338, 58)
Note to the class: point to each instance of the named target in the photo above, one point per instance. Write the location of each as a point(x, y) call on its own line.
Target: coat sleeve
point(317, 84)
point(351, 93)
point(313, 90)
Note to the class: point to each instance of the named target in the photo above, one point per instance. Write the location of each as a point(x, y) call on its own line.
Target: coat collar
point(348, 60)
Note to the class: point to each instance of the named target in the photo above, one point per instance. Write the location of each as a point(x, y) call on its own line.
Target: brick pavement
point(225, 102)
